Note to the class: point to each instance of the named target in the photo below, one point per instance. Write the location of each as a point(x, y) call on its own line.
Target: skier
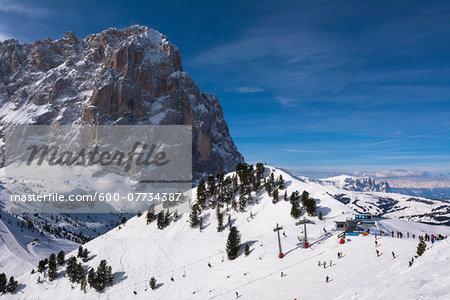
point(327, 278)
point(171, 278)
point(393, 254)
point(237, 295)
point(134, 292)
point(331, 263)
point(339, 255)
point(209, 265)
point(282, 275)
point(376, 244)
point(324, 264)
point(378, 253)
point(284, 234)
point(319, 263)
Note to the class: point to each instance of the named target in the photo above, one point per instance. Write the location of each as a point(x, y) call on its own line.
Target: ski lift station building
point(350, 226)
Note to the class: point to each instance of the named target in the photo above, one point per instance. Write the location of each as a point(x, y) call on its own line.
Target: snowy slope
point(138, 251)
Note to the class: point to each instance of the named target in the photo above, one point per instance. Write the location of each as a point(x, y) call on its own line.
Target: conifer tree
point(153, 283)
point(247, 250)
point(175, 215)
point(41, 265)
point(167, 218)
point(160, 220)
point(83, 283)
point(150, 214)
point(60, 258)
point(275, 196)
point(3, 283)
point(285, 196)
point(295, 210)
point(193, 216)
point(320, 216)
point(219, 222)
point(421, 247)
point(52, 267)
point(91, 278)
point(71, 269)
point(12, 285)
point(233, 243)
point(80, 251)
point(201, 195)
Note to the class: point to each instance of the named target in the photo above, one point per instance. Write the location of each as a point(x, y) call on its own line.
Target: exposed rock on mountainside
point(129, 76)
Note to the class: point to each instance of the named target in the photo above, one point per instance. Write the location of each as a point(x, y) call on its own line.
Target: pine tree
point(219, 222)
point(124, 220)
point(421, 247)
point(211, 186)
point(320, 215)
point(12, 285)
point(153, 283)
point(295, 210)
point(83, 285)
point(200, 226)
point(52, 267)
point(3, 282)
point(91, 278)
point(160, 220)
point(71, 269)
point(201, 195)
point(175, 215)
point(139, 213)
point(281, 183)
point(193, 216)
point(305, 197)
point(242, 201)
point(285, 196)
point(247, 250)
point(275, 196)
point(80, 251)
point(150, 214)
point(233, 243)
point(167, 218)
point(61, 258)
point(103, 276)
point(41, 265)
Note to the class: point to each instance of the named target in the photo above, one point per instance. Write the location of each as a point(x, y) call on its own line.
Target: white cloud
point(248, 89)
point(8, 7)
point(285, 101)
point(3, 36)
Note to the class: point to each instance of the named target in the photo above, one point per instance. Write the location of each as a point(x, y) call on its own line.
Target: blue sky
point(318, 87)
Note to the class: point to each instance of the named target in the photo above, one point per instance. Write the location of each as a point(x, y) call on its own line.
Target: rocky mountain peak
point(118, 76)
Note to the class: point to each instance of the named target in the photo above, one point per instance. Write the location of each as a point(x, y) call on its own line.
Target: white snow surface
point(137, 251)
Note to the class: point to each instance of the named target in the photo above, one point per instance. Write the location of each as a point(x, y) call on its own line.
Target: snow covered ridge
point(189, 260)
point(130, 76)
point(358, 184)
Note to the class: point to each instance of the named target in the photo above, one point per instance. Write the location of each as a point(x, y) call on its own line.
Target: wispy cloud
point(248, 89)
point(13, 7)
point(418, 136)
point(286, 101)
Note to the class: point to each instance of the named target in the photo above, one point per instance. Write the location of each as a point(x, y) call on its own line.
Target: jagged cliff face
point(129, 76)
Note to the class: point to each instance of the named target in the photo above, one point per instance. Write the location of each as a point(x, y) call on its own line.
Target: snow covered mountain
point(128, 76)
point(358, 184)
point(191, 263)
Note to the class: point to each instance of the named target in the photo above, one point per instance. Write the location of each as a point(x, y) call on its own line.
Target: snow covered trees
point(233, 243)
point(219, 216)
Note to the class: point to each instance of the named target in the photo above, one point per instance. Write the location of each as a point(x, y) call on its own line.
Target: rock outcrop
point(129, 76)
